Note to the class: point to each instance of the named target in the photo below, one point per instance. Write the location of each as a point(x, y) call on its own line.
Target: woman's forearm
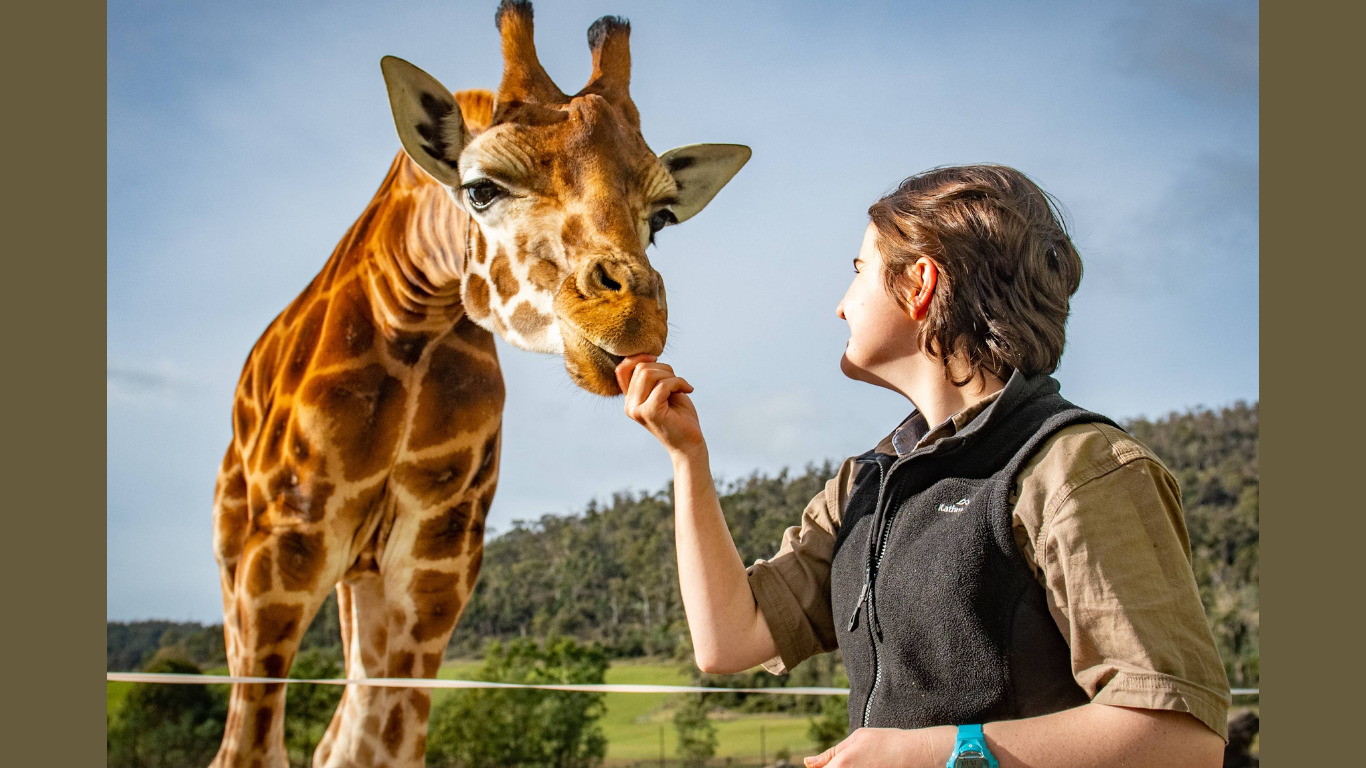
point(729, 633)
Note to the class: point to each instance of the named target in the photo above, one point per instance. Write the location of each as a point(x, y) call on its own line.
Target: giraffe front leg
point(402, 618)
point(279, 583)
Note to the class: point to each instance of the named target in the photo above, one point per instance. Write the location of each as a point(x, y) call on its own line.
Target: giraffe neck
point(409, 251)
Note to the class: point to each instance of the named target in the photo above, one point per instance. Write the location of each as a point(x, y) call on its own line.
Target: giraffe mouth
point(590, 365)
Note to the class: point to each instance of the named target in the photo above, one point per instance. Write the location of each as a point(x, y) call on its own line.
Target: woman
point(1007, 575)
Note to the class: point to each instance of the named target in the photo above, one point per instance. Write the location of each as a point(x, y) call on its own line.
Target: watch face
point(970, 760)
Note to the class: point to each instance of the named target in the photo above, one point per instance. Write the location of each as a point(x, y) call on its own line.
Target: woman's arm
point(729, 633)
point(1089, 735)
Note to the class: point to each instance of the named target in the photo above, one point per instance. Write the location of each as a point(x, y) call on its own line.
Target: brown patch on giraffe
point(302, 557)
point(407, 347)
point(402, 664)
point(392, 736)
point(545, 275)
point(235, 484)
point(472, 572)
point(352, 331)
point(371, 724)
point(485, 501)
point(263, 716)
point(305, 501)
point(443, 536)
point(260, 574)
point(274, 666)
point(529, 322)
point(244, 418)
point(504, 282)
point(277, 623)
point(422, 706)
point(365, 753)
point(431, 664)
point(365, 410)
point(434, 480)
point(488, 462)
point(458, 390)
point(438, 605)
point(479, 247)
point(571, 232)
point(268, 451)
point(476, 297)
point(256, 500)
point(305, 343)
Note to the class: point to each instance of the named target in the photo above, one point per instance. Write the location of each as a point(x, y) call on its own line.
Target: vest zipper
point(866, 594)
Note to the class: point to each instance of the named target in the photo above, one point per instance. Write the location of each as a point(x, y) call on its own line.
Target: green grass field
point(634, 721)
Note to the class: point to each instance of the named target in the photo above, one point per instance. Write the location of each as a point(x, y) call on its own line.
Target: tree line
point(607, 575)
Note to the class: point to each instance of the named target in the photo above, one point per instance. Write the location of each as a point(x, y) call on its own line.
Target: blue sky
point(244, 138)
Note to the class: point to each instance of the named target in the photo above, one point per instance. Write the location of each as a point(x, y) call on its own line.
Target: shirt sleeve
point(792, 589)
point(1115, 559)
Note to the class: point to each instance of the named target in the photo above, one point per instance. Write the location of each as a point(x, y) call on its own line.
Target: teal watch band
point(970, 751)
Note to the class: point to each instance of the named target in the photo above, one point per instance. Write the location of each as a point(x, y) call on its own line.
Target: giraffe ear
point(700, 171)
point(428, 119)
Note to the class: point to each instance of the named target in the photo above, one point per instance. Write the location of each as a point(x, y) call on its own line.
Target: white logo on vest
point(956, 507)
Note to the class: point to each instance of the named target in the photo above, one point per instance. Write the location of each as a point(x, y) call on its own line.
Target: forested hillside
point(608, 573)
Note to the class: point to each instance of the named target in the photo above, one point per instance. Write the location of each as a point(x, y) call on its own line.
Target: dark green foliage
point(165, 725)
point(609, 575)
point(1213, 456)
point(309, 708)
point(131, 645)
point(831, 726)
point(697, 738)
point(484, 727)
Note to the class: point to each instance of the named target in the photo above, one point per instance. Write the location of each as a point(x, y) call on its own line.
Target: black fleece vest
point(939, 618)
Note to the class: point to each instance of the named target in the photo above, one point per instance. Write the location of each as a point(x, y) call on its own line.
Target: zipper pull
point(853, 620)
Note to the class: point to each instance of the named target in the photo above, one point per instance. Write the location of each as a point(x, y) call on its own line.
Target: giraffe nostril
point(605, 280)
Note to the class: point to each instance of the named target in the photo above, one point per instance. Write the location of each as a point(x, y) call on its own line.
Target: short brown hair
point(1006, 266)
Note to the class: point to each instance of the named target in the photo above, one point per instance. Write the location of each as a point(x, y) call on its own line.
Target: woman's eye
point(660, 220)
point(482, 194)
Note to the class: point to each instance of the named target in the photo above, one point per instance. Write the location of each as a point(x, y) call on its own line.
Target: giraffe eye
point(662, 218)
point(482, 193)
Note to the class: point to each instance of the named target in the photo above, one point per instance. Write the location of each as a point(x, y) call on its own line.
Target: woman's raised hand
point(658, 400)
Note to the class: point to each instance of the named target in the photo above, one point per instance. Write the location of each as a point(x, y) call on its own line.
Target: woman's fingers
point(627, 366)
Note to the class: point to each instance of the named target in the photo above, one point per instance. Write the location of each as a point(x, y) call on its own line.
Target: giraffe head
point(564, 197)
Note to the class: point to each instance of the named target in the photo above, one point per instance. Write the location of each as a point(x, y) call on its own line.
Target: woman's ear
point(923, 276)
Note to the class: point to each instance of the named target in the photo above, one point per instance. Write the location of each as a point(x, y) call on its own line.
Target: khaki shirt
point(1099, 519)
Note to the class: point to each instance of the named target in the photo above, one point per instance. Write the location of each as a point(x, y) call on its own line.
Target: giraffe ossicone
point(366, 424)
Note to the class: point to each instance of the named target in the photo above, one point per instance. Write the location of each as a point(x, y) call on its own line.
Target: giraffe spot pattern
point(431, 664)
point(401, 665)
point(544, 275)
point(504, 282)
point(262, 726)
point(434, 480)
point(301, 350)
point(528, 321)
point(458, 390)
point(472, 572)
point(260, 574)
point(351, 332)
point(438, 605)
point(364, 408)
point(443, 536)
point(277, 623)
point(487, 463)
point(476, 297)
point(405, 347)
point(393, 729)
point(301, 559)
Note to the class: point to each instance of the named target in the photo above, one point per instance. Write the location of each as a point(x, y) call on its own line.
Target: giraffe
point(366, 423)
